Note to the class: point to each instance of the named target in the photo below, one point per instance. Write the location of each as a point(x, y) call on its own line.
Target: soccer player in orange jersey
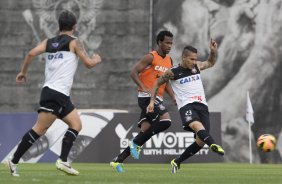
point(145, 74)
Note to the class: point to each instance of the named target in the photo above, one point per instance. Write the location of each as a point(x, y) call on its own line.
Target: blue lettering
point(60, 56)
point(50, 56)
point(55, 56)
point(189, 79)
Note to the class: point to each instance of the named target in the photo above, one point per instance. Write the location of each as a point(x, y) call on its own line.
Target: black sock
point(27, 141)
point(123, 155)
point(68, 140)
point(190, 151)
point(205, 137)
point(140, 139)
point(155, 128)
point(161, 126)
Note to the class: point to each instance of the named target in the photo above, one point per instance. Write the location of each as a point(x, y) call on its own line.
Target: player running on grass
point(145, 74)
point(186, 83)
point(62, 54)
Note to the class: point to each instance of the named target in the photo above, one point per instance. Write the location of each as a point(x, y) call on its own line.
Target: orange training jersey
point(152, 72)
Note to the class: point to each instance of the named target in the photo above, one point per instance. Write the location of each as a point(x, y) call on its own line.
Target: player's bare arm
point(78, 48)
point(138, 68)
point(170, 92)
point(162, 80)
point(211, 59)
point(39, 49)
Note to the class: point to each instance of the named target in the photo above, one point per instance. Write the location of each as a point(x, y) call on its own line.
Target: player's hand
point(145, 90)
point(97, 58)
point(213, 45)
point(21, 78)
point(150, 107)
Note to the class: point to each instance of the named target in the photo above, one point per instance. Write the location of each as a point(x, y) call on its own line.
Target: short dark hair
point(189, 48)
point(66, 20)
point(162, 34)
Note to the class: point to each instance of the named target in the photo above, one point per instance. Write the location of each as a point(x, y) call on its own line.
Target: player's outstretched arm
point(212, 57)
point(39, 49)
point(162, 80)
point(89, 62)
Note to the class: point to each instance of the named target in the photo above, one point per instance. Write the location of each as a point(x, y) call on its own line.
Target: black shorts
point(55, 102)
point(159, 109)
point(195, 112)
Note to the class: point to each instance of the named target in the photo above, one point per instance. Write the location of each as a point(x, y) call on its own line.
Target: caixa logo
point(55, 56)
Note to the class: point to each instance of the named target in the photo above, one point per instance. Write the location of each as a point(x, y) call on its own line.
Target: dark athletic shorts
point(55, 102)
point(152, 117)
point(195, 112)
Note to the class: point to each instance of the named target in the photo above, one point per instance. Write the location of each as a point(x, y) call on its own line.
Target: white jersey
point(187, 86)
point(61, 64)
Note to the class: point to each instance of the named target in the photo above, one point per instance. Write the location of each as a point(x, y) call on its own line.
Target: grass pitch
point(44, 173)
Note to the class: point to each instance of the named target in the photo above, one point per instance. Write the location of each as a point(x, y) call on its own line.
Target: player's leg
point(144, 123)
point(116, 163)
point(189, 152)
point(159, 120)
point(199, 122)
point(203, 129)
point(126, 152)
point(204, 136)
point(156, 127)
point(143, 137)
point(72, 119)
point(44, 121)
point(147, 131)
point(190, 120)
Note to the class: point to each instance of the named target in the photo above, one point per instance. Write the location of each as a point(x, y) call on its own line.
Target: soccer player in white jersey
point(186, 83)
point(61, 54)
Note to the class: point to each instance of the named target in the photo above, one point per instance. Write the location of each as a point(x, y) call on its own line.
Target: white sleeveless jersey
point(61, 64)
point(187, 86)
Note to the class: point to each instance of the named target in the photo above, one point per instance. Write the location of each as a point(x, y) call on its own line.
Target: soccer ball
point(266, 142)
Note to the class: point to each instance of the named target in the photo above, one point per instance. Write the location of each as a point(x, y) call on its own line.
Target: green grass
point(148, 173)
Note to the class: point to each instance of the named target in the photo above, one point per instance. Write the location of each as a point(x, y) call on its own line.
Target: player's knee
point(196, 126)
point(163, 125)
point(165, 116)
point(166, 123)
point(76, 126)
point(145, 126)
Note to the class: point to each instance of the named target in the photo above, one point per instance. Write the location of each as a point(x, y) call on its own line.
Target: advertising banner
point(103, 136)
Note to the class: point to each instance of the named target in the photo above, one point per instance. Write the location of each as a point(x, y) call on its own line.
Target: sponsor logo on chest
point(189, 79)
point(161, 68)
point(55, 56)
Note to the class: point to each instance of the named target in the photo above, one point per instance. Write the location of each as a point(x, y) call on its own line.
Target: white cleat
point(13, 168)
point(66, 167)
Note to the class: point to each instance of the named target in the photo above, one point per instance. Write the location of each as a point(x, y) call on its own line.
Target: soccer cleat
point(174, 166)
point(217, 149)
point(134, 150)
point(66, 167)
point(117, 166)
point(13, 168)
